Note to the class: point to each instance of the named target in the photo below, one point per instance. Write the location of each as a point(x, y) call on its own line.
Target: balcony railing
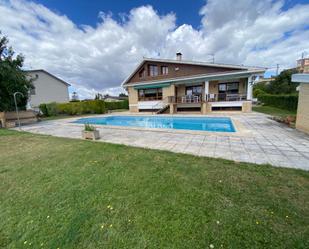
point(152, 98)
point(215, 97)
point(196, 99)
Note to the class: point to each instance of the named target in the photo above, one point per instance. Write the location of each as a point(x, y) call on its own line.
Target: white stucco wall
point(47, 89)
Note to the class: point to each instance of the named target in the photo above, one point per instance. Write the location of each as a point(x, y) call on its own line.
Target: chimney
point(178, 56)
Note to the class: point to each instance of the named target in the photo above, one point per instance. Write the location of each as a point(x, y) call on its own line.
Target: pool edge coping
point(240, 130)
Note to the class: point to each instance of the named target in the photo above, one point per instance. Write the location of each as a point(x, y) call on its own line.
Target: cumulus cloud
point(97, 59)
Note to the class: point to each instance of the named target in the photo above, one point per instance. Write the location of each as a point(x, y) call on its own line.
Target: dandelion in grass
point(25, 242)
point(111, 225)
point(47, 216)
point(211, 246)
point(218, 222)
point(257, 222)
point(286, 216)
point(102, 226)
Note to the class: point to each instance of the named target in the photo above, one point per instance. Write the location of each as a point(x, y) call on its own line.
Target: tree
point(283, 84)
point(123, 95)
point(12, 78)
point(98, 96)
point(75, 97)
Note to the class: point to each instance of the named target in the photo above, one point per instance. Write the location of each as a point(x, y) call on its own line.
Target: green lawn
point(273, 111)
point(65, 193)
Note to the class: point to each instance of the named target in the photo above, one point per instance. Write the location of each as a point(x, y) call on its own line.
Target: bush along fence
point(287, 102)
point(124, 104)
point(81, 107)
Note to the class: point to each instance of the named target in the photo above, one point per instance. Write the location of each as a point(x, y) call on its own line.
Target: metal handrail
point(164, 103)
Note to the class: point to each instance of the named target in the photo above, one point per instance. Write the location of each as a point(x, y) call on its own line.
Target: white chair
point(211, 97)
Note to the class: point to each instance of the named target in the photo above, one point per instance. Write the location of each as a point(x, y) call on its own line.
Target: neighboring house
point(302, 119)
point(47, 88)
point(177, 85)
point(303, 65)
point(114, 98)
point(265, 80)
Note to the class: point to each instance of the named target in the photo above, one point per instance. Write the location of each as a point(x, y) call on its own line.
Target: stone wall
point(302, 120)
point(133, 99)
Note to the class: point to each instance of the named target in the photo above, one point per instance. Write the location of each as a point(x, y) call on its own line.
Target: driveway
point(260, 140)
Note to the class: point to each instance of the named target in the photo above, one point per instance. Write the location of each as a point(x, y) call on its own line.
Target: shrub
point(89, 127)
point(124, 104)
point(43, 109)
point(73, 108)
point(52, 109)
point(257, 92)
point(287, 102)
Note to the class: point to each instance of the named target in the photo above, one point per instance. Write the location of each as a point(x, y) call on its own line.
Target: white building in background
point(47, 88)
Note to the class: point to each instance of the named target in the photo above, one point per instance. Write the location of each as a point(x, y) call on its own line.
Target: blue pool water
point(182, 123)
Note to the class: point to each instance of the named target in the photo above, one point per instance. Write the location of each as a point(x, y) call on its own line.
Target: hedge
point(82, 107)
point(124, 104)
point(73, 108)
point(287, 102)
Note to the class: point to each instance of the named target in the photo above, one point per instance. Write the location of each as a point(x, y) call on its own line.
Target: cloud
point(97, 59)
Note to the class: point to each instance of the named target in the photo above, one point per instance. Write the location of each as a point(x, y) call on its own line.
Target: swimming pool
point(165, 122)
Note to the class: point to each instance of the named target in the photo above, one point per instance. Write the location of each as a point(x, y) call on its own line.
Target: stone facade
point(302, 120)
point(133, 99)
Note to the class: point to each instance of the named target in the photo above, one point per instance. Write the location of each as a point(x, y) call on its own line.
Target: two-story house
point(174, 86)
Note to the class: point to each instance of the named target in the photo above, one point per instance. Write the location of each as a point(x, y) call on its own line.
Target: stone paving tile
point(265, 142)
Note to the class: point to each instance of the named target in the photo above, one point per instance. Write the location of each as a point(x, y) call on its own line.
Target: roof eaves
point(199, 76)
point(44, 71)
point(204, 63)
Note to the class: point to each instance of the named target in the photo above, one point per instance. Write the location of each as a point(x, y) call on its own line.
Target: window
point(150, 94)
point(153, 70)
point(194, 90)
point(142, 73)
point(230, 88)
point(164, 70)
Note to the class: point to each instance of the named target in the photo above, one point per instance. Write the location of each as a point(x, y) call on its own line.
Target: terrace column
point(249, 87)
point(206, 89)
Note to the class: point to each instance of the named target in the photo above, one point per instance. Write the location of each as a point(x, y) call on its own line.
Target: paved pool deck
point(258, 139)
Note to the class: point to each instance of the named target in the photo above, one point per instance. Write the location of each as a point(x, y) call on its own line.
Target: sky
point(95, 45)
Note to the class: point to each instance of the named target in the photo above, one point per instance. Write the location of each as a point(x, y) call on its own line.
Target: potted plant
point(90, 132)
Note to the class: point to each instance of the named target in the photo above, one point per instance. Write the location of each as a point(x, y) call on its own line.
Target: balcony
point(218, 97)
point(212, 97)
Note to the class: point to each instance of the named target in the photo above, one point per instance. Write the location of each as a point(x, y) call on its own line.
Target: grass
point(273, 111)
point(65, 193)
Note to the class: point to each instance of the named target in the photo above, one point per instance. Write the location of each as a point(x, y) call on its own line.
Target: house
point(302, 118)
point(303, 65)
point(264, 80)
point(47, 88)
point(174, 86)
point(108, 98)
